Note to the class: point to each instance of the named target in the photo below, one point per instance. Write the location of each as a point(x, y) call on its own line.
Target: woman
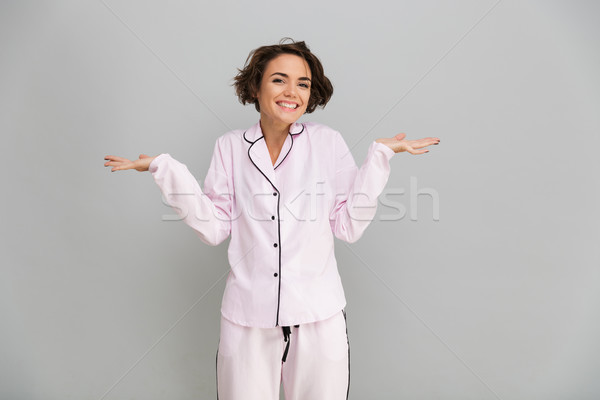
point(282, 190)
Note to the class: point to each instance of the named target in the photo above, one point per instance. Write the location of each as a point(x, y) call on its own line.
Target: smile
point(291, 106)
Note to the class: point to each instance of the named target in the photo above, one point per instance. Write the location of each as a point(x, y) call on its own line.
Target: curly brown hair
point(247, 81)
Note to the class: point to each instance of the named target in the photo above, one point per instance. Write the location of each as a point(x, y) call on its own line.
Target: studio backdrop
point(478, 279)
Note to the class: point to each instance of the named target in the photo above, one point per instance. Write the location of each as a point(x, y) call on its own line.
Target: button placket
point(275, 244)
point(266, 172)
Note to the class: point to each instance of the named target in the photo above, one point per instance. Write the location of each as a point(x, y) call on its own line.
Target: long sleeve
point(208, 212)
point(357, 189)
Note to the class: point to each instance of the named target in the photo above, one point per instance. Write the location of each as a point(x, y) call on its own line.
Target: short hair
point(248, 80)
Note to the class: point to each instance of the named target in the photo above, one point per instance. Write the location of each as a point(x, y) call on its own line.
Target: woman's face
point(284, 90)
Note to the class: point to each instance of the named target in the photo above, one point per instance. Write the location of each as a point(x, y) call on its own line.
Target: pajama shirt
point(281, 218)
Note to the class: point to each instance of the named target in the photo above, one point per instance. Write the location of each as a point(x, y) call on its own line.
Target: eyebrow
point(303, 78)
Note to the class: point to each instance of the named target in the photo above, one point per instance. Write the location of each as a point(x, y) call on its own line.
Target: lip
point(285, 108)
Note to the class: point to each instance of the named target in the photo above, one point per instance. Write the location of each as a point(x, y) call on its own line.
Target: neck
point(272, 131)
point(275, 135)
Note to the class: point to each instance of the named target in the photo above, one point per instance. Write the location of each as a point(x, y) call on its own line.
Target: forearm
point(182, 192)
point(352, 217)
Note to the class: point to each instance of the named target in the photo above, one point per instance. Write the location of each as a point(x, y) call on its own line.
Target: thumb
point(144, 156)
point(400, 136)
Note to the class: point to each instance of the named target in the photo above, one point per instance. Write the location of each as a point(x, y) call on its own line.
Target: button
point(274, 244)
point(275, 274)
point(274, 193)
point(272, 217)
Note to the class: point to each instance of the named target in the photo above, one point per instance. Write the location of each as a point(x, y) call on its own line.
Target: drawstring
point(286, 338)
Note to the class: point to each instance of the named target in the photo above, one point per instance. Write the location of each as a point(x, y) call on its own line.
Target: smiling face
point(284, 91)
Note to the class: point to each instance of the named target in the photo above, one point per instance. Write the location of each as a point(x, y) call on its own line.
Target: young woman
point(282, 190)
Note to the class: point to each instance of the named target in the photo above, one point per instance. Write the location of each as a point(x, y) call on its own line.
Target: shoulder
point(230, 140)
point(231, 136)
point(324, 134)
point(315, 128)
point(318, 131)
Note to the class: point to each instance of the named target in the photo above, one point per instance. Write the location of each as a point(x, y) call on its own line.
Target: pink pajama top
point(282, 218)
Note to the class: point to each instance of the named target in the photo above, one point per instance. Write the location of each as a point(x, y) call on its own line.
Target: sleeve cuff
point(161, 158)
point(389, 153)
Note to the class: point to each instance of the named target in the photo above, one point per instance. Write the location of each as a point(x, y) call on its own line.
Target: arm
point(208, 213)
point(358, 189)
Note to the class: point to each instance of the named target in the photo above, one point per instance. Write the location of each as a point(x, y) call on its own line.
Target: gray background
point(101, 298)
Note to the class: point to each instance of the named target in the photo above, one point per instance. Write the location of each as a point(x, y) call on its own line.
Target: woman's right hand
point(120, 163)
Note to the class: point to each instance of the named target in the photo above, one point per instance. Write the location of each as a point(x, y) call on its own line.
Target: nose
point(290, 90)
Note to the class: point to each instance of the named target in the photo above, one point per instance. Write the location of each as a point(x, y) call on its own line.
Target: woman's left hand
point(399, 144)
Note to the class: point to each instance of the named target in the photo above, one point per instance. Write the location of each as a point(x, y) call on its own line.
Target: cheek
point(306, 98)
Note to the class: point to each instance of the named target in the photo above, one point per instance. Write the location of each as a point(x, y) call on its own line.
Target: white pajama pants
point(316, 367)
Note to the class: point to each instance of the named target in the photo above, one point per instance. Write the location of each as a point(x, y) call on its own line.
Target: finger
point(117, 166)
point(429, 140)
point(400, 136)
point(115, 158)
point(416, 152)
point(123, 166)
point(417, 144)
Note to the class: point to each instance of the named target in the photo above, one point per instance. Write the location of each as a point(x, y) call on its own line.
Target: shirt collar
point(254, 133)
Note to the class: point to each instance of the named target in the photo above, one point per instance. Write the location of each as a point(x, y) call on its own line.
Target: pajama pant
point(250, 362)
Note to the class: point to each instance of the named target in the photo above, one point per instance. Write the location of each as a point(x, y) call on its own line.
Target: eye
point(305, 85)
point(277, 80)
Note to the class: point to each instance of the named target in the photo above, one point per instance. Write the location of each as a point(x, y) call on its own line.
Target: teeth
point(288, 105)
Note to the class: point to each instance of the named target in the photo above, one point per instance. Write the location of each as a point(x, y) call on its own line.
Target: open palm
point(120, 163)
point(399, 144)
